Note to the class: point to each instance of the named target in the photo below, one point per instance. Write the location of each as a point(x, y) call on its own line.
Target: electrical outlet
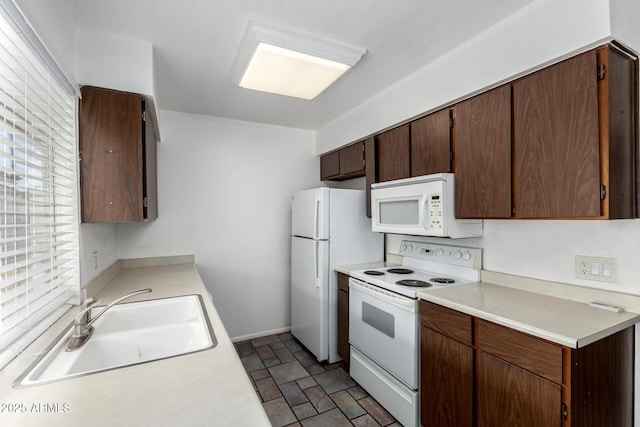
point(597, 268)
point(95, 260)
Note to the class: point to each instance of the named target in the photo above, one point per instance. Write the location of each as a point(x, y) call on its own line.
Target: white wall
point(624, 22)
point(114, 62)
point(98, 242)
point(546, 249)
point(539, 33)
point(224, 195)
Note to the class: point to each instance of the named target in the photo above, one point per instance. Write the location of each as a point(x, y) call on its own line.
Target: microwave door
point(395, 213)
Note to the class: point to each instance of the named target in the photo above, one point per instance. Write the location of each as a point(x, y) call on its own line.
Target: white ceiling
point(195, 42)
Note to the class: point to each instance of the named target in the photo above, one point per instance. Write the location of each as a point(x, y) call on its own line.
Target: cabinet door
point(330, 165)
point(431, 144)
point(618, 131)
point(343, 316)
point(556, 141)
point(446, 381)
point(511, 396)
point(352, 159)
point(482, 155)
point(343, 325)
point(393, 154)
point(110, 135)
point(150, 185)
point(370, 169)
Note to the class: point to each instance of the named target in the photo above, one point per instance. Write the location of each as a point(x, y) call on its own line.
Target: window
point(39, 267)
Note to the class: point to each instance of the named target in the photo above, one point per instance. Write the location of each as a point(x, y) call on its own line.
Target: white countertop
point(566, 322)
point(206, 388)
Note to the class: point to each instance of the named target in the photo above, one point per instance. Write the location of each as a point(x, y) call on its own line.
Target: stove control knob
point(466, 256)
point(457, 254)
point(440, 252)
point(404, 247)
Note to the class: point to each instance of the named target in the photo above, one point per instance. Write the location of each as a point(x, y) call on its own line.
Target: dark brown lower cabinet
point(511, 396)
point(478, 373)
point(343, 316)
point(447, 368)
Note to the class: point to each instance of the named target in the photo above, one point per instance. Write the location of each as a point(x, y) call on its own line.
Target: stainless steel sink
point(128, 334)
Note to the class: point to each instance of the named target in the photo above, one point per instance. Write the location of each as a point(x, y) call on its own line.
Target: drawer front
point(528, 352)
point(446, 321)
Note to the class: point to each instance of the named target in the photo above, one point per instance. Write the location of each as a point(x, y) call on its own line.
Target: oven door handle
point(406, 303)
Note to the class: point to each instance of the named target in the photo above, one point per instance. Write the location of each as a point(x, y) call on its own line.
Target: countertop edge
point(623, 321)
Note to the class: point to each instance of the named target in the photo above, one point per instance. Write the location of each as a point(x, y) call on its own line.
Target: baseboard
point(260, 334)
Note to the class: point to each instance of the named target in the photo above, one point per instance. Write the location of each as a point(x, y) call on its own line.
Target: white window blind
point(39, 267)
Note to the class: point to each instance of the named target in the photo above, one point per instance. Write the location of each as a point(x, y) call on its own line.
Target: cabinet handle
point(563, 411)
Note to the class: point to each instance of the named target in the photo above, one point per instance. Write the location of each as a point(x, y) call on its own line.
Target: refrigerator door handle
point(316, 262)
point(316, 215)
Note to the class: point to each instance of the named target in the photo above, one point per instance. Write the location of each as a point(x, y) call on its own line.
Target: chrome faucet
point(82, 325)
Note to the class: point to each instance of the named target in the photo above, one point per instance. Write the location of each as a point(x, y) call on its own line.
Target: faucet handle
point(88, 302)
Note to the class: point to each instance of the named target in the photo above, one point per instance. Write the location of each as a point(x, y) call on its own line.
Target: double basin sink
point(127, 334)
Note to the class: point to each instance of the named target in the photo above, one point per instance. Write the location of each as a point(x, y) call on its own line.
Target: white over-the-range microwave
point(420, 206)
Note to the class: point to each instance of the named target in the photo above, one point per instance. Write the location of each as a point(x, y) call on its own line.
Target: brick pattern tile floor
point(297, 390)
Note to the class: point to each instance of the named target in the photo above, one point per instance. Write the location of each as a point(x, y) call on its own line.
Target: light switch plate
point(597, 268)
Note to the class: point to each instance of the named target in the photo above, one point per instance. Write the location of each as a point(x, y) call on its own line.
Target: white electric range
point(384, 320)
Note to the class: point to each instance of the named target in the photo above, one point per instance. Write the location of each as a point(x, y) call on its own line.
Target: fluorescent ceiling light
point(289, 63)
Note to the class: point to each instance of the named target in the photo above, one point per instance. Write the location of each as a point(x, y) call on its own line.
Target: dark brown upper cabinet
point(352, 160)
point(431, 144)
point(118, 157)
point(345, 163)
point(574, 138)
point(393, 154)
point(330, 165)
point(483, 155)
point(560, 142)
point(556, 141)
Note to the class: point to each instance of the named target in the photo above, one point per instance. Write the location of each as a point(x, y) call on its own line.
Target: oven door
point(384, 326)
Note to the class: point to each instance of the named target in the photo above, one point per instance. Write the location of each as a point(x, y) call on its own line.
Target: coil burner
point(444, 280)
point(400, 270)
point(414, 283)
point(374, 273)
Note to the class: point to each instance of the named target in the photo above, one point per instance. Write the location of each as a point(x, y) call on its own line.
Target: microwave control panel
point(434, 211)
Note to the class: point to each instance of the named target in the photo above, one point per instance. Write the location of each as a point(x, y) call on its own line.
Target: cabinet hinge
point(451, 156)
point(564, 413)
point(603, 192)
point(145, 202)
point(451, 122)
point(600, 72)
point(144, 116)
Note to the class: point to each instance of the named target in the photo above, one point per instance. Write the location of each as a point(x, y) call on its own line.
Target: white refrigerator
point(329, 228)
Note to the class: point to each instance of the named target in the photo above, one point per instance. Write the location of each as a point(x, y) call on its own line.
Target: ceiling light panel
point(285, 62)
